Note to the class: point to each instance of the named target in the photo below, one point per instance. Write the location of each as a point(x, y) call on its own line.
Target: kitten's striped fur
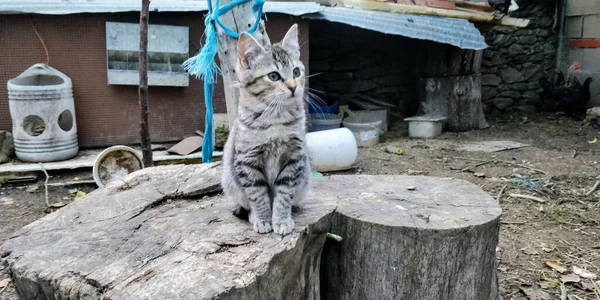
point(266, 168)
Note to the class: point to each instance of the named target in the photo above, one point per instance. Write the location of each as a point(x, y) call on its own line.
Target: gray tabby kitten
point(266, 167)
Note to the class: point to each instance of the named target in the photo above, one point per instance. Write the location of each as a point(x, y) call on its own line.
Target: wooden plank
point(430, 11)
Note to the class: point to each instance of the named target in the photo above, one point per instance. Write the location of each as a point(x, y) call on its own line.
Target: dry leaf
point(480, 175)
point(57, 205)
point(33, 188)
point(79, 195)
point(529, 251)
point(548, 282)
point(535, 293)
point(4, 283)
point(584, 273)
point(563, 292)
point(548, 250)
point(411, 188)
point(569, 278)
point(556, 266)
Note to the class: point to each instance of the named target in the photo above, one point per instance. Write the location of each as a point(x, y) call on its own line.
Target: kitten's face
point(271, 75)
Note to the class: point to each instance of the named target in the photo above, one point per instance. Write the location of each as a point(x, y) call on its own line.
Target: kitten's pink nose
point(293, 89)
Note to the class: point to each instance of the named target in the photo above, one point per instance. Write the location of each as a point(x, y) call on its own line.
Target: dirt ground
point(559, 168)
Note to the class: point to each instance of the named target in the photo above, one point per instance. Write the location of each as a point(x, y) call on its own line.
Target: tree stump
point(165, 233)
point(458, 98)
point(437, 241)
point(168, 233)
point(450, 86)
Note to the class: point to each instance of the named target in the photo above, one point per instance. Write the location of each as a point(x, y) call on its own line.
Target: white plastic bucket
point(320, 122)
point(43, 115)
point(331, 150)
point(365, 132)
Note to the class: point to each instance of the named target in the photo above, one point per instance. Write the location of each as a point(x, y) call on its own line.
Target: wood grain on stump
point(167, 233)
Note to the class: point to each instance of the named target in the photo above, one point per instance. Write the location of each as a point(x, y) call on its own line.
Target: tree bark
point(143, 87)
point(436, 242)
point(239, 19)
point(457, 98)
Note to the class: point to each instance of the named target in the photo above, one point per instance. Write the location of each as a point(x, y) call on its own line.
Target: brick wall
point(108, 114)
point(582, 30)
point(517, 58)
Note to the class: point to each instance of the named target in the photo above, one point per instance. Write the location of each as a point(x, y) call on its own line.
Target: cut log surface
point(168, 233)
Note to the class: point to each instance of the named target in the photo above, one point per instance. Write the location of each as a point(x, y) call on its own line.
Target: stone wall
point(353, 61)
point(518, 58)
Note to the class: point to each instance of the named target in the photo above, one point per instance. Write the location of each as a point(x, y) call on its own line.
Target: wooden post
point(239, 19)
point(143, 87)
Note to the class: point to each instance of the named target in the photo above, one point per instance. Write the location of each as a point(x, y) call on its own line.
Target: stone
point(488, 92)
point(521, 58)
point(549, 49)
point(510, 94)
point(542, 32)
point(520, 86)
point(530, 109)
point(537, 57)
point(495, 61)
point(7, 146)
point(528, 39)
point(533, 86)
point(531, 95)
point(515, 49)
point(546, 21)
point(502, 103)
point(531, 72)
point(510, 75)
point(490, 80)
point(502, 40)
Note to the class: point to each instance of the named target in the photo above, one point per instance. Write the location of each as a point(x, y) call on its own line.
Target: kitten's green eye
point(296, 72)
point(274, 76)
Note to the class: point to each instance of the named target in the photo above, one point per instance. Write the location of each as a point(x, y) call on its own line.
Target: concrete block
point(582, 7)
point(591, 59)
point(591, 26)
point(574, 27)
point(574, 55)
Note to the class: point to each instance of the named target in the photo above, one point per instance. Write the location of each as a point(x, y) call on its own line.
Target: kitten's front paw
point(262, 226)
point(283, 227)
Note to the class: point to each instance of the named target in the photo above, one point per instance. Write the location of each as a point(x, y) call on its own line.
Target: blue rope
point(203, 65)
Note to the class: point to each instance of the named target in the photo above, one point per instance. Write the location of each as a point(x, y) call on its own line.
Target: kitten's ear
point(248, 49)
point(290, 41)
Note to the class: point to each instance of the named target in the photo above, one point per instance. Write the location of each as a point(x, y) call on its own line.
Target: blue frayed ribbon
point(203, 65)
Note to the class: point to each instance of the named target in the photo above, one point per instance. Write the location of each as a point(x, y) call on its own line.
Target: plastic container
point(319, 106)
point(331, 150)
point(374, 116)
point(42, 110)
point(115, 163)
point(423, 127)
point(321, 122)
point(365, 131)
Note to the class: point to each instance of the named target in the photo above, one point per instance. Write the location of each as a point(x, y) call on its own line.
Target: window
point(168, 48)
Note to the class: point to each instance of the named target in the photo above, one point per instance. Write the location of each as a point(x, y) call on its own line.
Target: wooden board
point(431, 11)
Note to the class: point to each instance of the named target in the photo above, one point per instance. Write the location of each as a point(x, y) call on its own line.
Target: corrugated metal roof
point(63, 7)
point(457, 32)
